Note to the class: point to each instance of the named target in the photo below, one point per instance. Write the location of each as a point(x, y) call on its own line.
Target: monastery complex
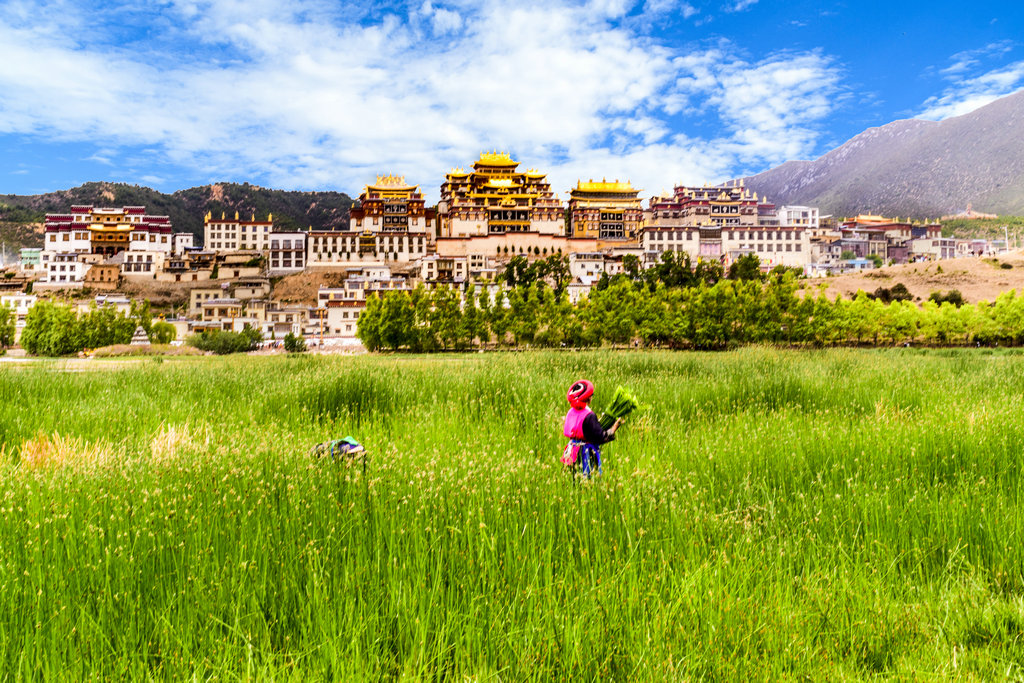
point(486, 214)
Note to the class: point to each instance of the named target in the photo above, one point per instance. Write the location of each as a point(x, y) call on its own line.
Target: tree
point(708, 271)
point(397, 320)
point(746, 267)
point(51, 330)
point(953, 296)
point(445, 318)
point(557, 270)
point(7, 326)
point(163, 333)
point(294, 343)
point(631, 266)
point(471, 319)
point(368, 326)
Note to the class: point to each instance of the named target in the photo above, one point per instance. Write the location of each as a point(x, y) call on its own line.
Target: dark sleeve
point(593, 432)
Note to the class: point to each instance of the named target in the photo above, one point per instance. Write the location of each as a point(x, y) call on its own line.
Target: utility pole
point(1006, 237)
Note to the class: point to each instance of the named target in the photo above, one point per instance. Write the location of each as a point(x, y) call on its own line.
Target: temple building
point(495, 198)
point(605, 211)
point(103, 231)
point(391, 205)
point(390, 223)
point(75, 241)
point(233, 234)
point(724, 222)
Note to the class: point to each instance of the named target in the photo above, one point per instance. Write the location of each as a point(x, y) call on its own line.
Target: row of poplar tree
point(701, 315)
point(58, 329)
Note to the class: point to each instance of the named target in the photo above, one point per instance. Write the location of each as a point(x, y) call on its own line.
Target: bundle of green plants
point(623, 403)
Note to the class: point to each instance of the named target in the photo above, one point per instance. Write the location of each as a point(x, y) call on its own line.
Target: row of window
point(380, 248)
point(236, 227)
point(285, 263)
point(322, 242)
point(778, 247)
point(730, 234)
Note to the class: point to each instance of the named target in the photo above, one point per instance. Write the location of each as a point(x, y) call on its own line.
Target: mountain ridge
point(914, 167)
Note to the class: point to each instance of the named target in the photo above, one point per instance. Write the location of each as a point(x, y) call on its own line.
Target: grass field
point(773, 515)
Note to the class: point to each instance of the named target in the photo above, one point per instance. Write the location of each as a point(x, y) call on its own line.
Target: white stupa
point(140, 338)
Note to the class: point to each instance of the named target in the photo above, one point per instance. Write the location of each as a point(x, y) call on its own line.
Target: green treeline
point(724, 314)
point(57, 329)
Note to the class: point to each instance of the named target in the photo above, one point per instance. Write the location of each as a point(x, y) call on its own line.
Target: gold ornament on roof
point(497, 159)
point(390, 180)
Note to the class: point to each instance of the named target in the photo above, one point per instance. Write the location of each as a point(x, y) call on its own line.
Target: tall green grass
point(821, 515)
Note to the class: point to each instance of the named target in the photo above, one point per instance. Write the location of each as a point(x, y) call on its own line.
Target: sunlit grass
point(772, 515)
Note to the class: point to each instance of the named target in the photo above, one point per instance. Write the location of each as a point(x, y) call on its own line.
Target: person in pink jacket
point(584, 430)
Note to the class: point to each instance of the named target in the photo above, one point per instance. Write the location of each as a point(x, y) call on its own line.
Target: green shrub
point(163, 333)
point(222, 342)
point(294, 343)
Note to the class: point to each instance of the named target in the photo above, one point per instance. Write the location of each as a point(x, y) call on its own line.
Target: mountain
point(21, 217)
point(924, 169)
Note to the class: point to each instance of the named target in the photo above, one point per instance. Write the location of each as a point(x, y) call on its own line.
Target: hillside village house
point(119, 302)
point(30, 259)
point(337, 312)
point(20, 303)
point(251, 288)
point(181, 242)
point(287, 253)
point(234, 234)
point(200, 295)
point(103, 276)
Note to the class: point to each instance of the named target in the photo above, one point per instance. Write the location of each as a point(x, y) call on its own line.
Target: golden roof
point(605, 186)
point(112, 227)
point(496, 159)
point(391, 182)
point(871, 218)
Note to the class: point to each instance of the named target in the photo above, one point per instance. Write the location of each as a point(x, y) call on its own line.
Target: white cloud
point(973, 85)
point(286, 93)
point(741, 5)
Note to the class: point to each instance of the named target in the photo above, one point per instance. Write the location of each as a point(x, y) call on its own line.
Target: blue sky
point(311, 94)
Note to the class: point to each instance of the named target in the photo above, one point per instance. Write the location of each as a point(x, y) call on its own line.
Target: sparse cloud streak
point(974, 82)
